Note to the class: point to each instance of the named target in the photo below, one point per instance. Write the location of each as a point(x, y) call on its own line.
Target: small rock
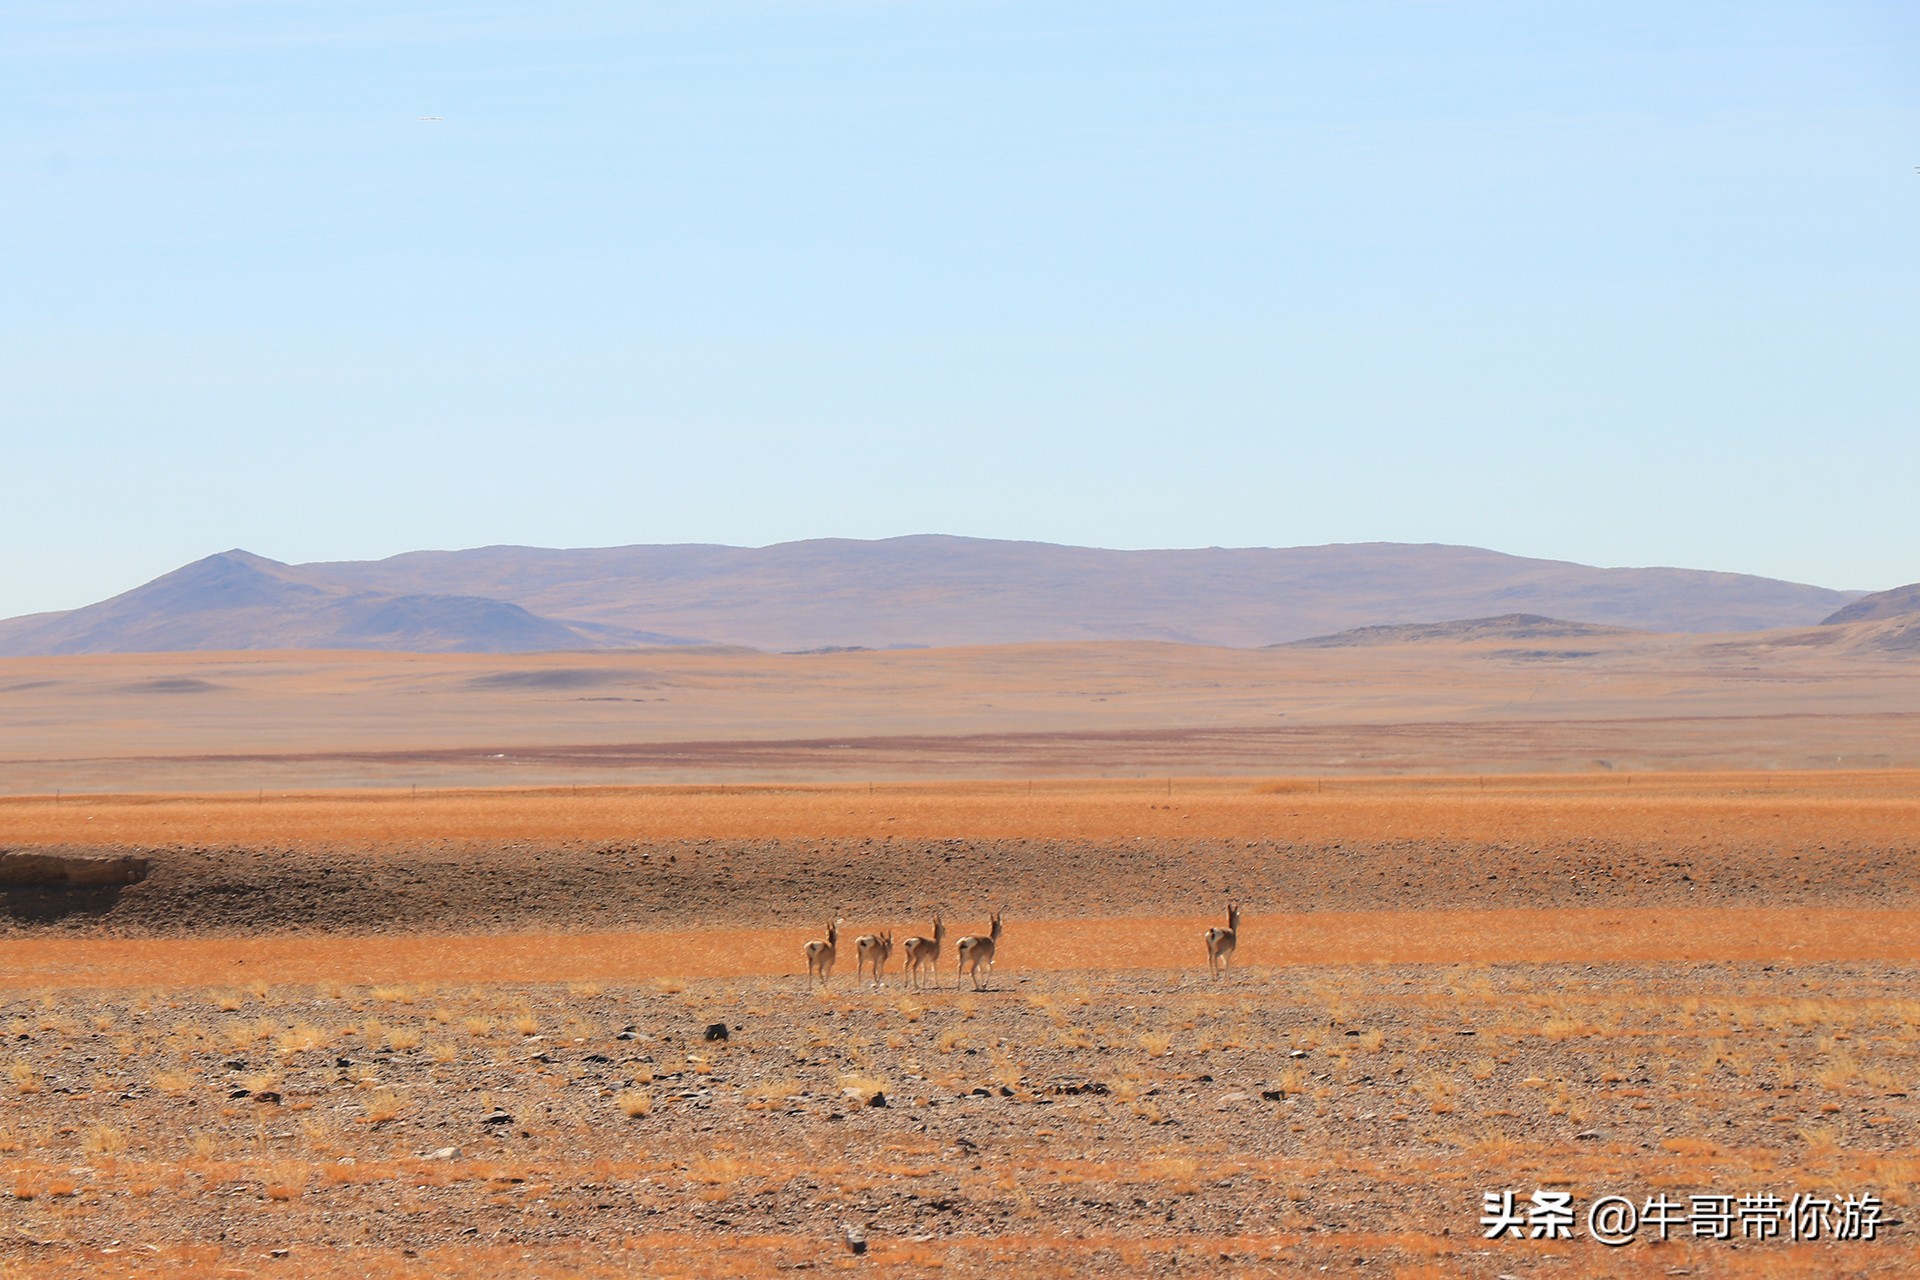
point(1591, 1135)
point(268, 1097)
point(877, 1100)
point(716, 1031)
point(443, 1153)
point(855, 1237)
point(498, 1117)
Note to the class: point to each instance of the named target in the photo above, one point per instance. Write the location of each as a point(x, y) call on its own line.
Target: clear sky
point(1618, 282)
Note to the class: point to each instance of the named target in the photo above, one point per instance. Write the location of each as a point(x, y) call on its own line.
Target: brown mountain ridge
point(919, 591)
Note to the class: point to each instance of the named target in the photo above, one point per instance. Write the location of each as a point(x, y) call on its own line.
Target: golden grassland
point(1761, 808)
point(1599, 935)
point(1391, 1065)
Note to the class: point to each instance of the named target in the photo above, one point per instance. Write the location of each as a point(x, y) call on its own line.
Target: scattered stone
point(1076, 1087)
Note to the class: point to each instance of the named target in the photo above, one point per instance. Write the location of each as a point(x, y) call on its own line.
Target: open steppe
point(1819, 698)
point(1640, 985)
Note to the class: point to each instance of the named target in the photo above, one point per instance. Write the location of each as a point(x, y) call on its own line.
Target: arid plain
point(420, 977)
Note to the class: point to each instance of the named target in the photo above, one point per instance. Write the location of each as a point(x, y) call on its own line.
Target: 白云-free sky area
point(1623, 283)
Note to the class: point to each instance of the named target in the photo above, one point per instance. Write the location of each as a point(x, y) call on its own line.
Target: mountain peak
point(1896, 603)
point(919, 591)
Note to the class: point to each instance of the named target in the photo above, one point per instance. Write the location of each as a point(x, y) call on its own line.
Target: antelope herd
point(873, 950)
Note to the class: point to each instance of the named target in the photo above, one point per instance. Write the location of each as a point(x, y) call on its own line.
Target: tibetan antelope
point(1220, 942)
point(820, 954)
point(872, 949)
point(925, 951)
point(975, 951)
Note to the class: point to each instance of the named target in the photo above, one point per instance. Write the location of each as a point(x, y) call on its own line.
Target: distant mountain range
point(927, 590)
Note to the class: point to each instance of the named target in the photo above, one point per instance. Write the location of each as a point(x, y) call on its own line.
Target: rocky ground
point(1114, 1122)
point(1147, 1122)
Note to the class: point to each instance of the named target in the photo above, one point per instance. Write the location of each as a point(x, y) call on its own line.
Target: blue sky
point(1622, 283)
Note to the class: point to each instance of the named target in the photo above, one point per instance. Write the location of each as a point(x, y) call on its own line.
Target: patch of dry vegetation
point(1837, 807)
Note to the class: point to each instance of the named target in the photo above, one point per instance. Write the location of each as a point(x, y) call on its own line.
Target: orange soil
point(1325, 938)
point(1765, 808)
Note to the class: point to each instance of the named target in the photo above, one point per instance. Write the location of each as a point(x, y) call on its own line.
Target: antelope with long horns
point(975, 951)
point(925, 951)
point(820, 953)
point(872, 949)
point(1221, 942)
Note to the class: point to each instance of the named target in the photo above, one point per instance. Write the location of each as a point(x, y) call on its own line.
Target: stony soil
point(1147, 1123)
point(1151, 1121)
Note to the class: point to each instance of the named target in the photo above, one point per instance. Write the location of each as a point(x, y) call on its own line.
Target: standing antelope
point(820, 953)
point(925, 951)
point(975, 951)
point(872, 949)
point(1220, 942)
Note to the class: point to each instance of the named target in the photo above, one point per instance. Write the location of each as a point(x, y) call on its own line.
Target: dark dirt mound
point(597, 886)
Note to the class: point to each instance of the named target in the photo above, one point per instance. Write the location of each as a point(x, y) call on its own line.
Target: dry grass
point(1320, 938)
point(1424, 1118)
point(1408, 1109)
point(1773, 807)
